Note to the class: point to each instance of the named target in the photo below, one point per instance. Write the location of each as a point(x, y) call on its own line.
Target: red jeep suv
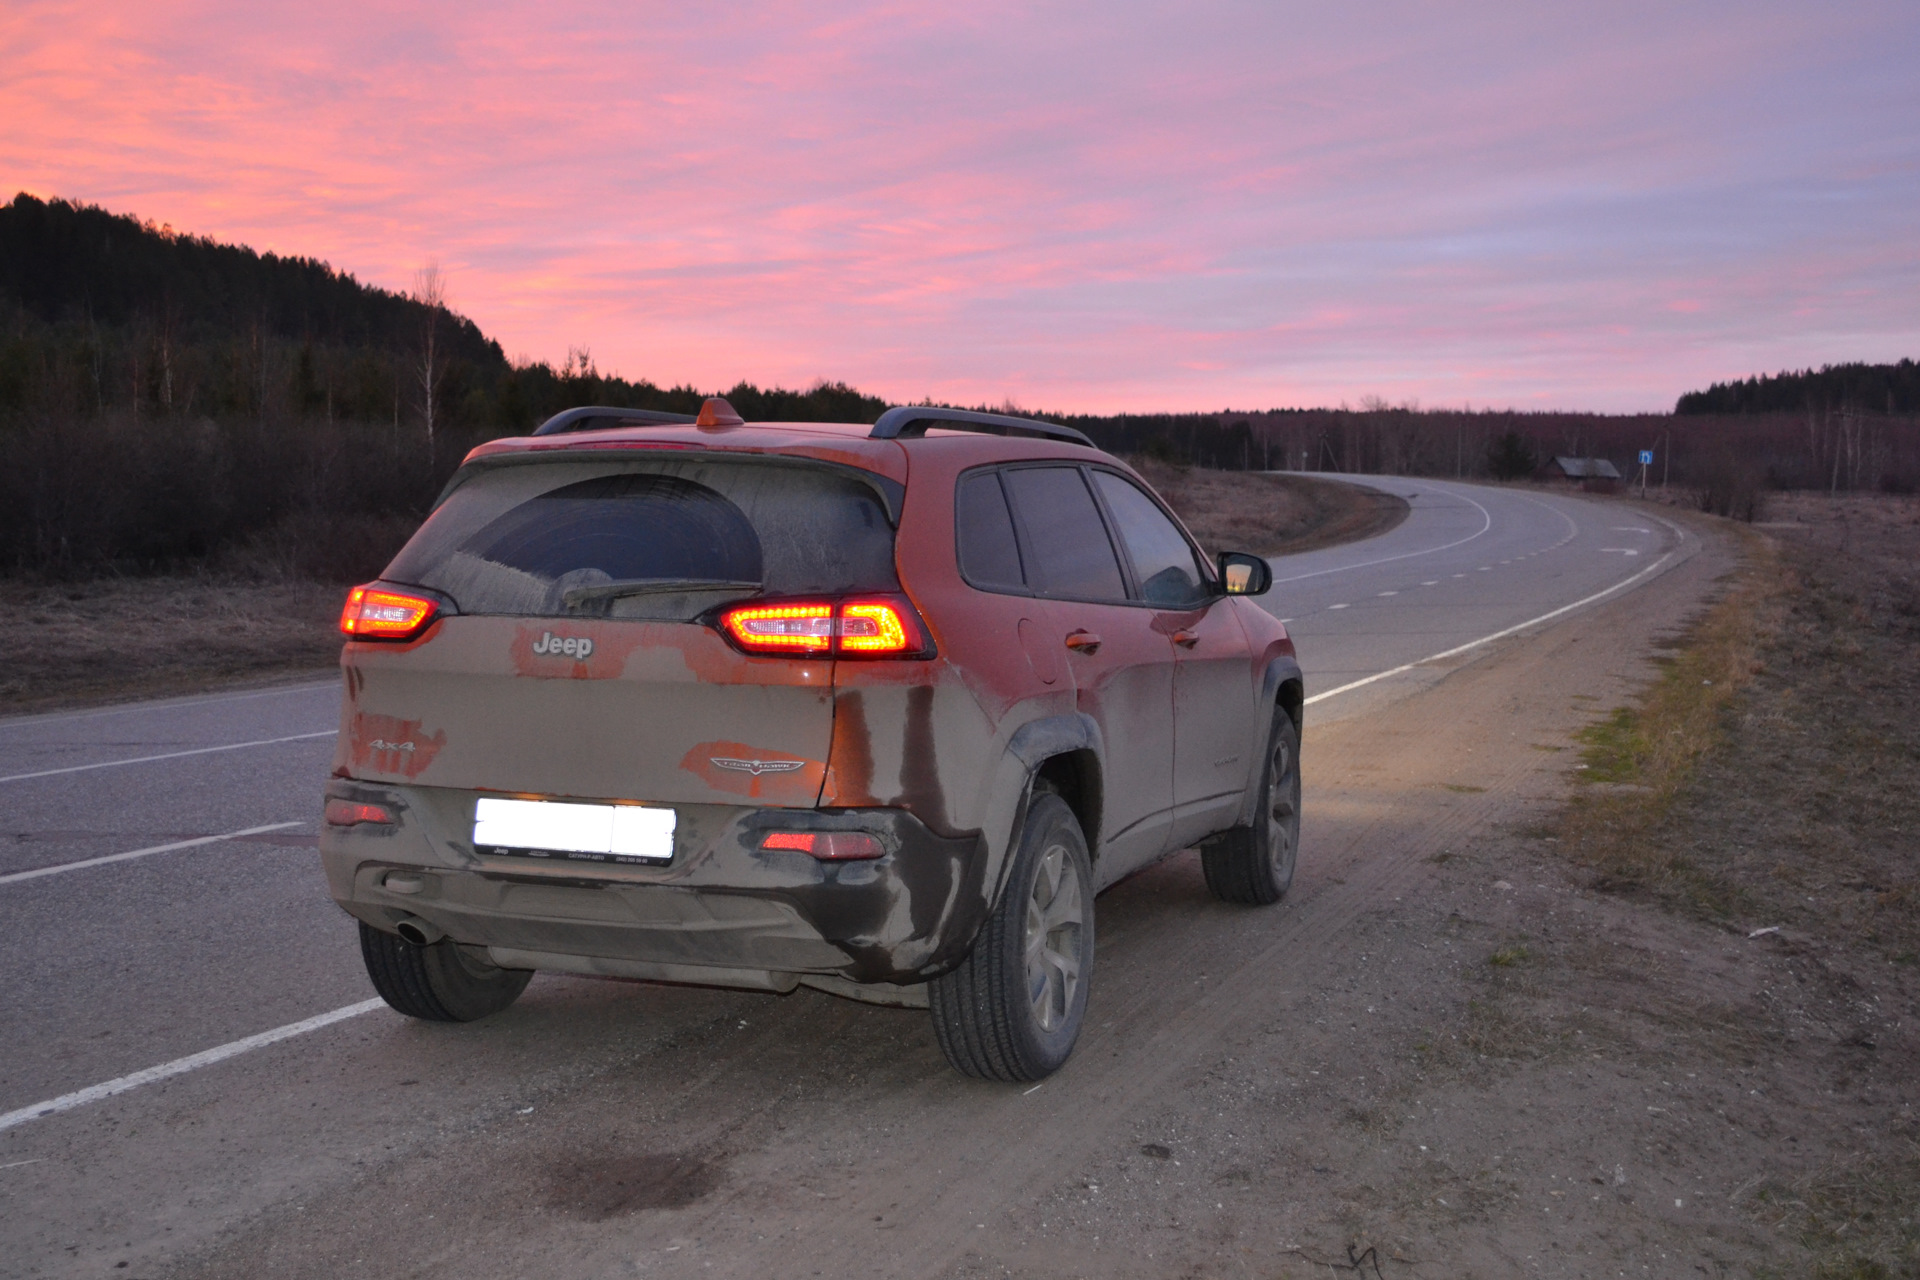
point(876, 710)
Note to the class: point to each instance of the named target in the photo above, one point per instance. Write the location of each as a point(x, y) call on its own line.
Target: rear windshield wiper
point(574, 596)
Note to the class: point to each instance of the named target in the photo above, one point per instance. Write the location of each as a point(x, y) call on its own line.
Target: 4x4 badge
point(757, 767)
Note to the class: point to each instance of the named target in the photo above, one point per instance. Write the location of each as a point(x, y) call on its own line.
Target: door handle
point(1084, 642)
point(1186, 639)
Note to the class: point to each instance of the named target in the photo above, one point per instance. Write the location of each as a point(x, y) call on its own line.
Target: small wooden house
point(1593, 475)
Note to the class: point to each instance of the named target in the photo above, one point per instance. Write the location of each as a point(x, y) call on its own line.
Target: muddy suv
point(876, 710)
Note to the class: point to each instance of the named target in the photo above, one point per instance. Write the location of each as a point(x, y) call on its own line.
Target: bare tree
point(430, 291)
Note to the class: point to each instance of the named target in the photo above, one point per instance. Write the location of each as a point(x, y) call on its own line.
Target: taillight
point(828, 846)
point(375, 613)
point(874, 627)
point(351, 813)
point(780, 628)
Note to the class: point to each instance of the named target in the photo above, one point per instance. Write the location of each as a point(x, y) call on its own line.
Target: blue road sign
point(1646, 457)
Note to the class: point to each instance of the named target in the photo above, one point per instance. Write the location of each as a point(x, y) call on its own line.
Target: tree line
point(166, 400)
point(1855, 388)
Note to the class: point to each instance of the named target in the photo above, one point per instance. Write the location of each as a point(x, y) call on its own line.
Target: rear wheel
point(1254, 865)
point(1013, 1008)
point(444, 982)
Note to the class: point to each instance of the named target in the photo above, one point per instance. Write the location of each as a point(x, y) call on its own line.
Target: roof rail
point(587, 418)
point(909, 421)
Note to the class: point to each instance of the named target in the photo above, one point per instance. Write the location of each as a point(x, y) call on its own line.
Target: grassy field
point(107, 639)
point(1769, 783)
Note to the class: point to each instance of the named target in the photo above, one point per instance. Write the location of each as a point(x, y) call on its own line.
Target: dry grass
point(1771, 777)
point(1639, 759)
point(1787, 791)
point(129, 637)
point(1266, 513)
point(1859, 1215)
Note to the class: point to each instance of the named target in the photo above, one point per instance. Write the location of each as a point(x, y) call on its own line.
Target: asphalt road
point(121, 961)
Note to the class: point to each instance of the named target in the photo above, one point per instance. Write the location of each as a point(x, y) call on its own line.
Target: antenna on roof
point(908, 422)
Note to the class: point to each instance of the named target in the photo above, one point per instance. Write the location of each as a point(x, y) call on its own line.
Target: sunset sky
point(1072, 206)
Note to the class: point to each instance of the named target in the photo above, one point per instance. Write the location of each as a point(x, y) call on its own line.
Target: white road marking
point(1625, 551)
point(1498, 635)
point(1336, 606)
point(38, 872)
point(163, 704)
point(180, 1066)
point(1486, 518)
point(170, 755)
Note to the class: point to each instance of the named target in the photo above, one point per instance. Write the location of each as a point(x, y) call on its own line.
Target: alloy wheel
point(1055, 915)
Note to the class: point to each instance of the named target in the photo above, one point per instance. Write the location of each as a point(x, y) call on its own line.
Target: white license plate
point(573, 832)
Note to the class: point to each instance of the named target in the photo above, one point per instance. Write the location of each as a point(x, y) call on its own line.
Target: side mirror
point(1244, 574)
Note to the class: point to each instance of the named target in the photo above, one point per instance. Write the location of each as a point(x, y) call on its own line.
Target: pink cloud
point(1083, 207)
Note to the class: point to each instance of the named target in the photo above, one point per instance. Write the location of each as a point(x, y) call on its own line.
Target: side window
point(1072, 555)
point(983, 535)
point(1169, 573)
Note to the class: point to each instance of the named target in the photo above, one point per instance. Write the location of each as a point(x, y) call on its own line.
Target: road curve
point(1377, 619)
point(147, 990)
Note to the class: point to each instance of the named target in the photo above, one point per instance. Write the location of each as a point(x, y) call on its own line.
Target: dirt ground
point(111, 639)
point(1463, 1047)
point(1269, 513)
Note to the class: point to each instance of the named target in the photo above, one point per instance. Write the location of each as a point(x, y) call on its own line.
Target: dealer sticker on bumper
point(626, 833)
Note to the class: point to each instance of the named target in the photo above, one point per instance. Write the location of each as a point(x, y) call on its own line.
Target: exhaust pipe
point(421, 933)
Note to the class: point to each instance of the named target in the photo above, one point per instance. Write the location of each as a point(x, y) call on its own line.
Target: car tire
point(1254, 865)
point(1012, 1010)
point(444, 982)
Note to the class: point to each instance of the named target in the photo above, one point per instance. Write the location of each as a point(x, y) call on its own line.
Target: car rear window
point(989, 553)
point(660, 538)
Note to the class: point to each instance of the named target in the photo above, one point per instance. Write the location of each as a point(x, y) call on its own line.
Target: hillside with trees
point(1861, 388)
point(168, 402)
point(164, 398)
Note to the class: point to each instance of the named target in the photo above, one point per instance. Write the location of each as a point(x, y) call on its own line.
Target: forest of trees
point(1857, 388)
point(164, 399)
point(167, 401)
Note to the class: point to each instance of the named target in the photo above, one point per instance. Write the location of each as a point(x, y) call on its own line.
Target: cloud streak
point(1083, 206)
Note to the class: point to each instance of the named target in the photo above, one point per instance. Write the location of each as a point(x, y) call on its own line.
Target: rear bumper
point(724, 911)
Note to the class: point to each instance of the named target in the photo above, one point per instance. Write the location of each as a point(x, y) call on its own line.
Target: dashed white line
point(169, 755)
point(40, 872)
point(1489, 639)
point(180, 1066)
point(1486, 518)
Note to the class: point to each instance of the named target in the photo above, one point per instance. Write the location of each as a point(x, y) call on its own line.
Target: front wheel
point(1013, 1008)
point(1254, 865)
point(444, 982)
